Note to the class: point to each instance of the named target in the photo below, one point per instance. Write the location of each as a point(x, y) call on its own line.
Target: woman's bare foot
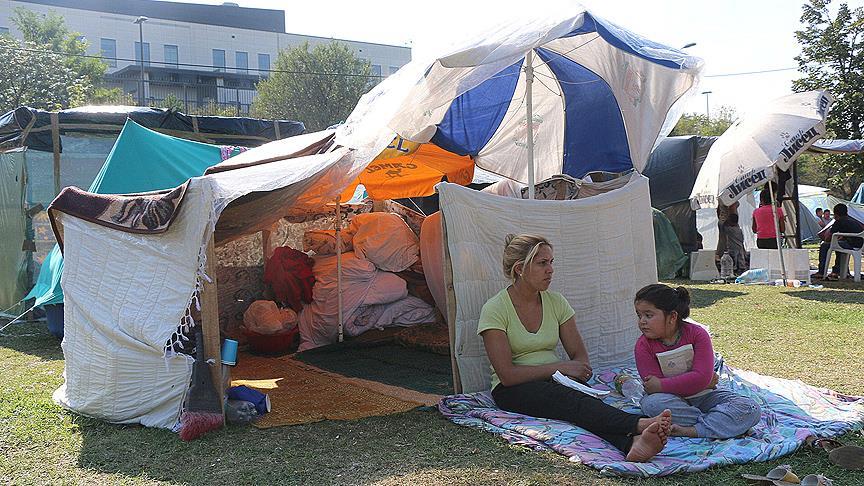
point(664, 419)
point(647, 444)
point(682, 431)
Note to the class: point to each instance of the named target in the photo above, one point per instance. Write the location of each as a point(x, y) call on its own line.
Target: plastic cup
point(229, 352)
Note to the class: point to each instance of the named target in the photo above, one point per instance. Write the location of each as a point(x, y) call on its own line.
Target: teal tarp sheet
point(142, 160)
point(670, 256)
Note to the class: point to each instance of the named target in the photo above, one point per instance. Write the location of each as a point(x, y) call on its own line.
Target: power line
point(209, 66)
point(176, 64)
point(751, 72)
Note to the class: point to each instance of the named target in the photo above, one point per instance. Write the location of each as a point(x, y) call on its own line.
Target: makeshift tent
point(69, 148)
point(37, 129)
point(142, 160)
point(838, 146)
point(858, 197)
point(672, 169)
point(13, 264)
point(123, 334)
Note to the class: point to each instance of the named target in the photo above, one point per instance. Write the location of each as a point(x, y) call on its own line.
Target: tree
point(318, 87)
point(695, 124)
point(832, 58)
point(46, 69)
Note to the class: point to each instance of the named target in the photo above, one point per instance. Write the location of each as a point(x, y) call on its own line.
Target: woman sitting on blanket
point(521, 326)
point(684, 381)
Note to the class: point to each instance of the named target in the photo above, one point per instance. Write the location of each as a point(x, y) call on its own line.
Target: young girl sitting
point(676, 362)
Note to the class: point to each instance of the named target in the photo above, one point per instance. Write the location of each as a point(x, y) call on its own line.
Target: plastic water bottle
point(633, 390)
point(727, 270)
point(630, 387)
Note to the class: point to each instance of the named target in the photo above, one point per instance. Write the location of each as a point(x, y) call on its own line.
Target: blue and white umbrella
point(598, 97)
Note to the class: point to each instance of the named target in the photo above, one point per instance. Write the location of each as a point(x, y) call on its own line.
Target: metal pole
point(529, 79)
point(777, 232)
point(339, 266)
point(796, 204)
point(707, 108)
point(141, 52)
point(140, 21)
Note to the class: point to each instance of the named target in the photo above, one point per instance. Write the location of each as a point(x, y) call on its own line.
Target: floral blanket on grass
point(791, 411)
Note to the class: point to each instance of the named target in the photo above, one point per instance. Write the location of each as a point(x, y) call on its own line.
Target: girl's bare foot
point(682, 431)
point(647, 444)
point(664, 419)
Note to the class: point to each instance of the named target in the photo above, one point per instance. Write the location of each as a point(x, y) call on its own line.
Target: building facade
point(196, 54)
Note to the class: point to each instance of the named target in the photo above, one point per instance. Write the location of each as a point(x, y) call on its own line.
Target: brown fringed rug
point(300, 393)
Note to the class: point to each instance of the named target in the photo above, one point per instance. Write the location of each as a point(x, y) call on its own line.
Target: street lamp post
point(707, 109)
point(140, 21)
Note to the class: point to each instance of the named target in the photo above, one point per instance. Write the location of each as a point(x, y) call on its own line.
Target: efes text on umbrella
point(799, 142)
point(745, 183)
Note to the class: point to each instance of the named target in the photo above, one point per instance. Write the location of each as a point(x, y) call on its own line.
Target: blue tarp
point(142, 160)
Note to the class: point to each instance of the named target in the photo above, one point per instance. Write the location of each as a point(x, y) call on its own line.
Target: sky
point(732, 36)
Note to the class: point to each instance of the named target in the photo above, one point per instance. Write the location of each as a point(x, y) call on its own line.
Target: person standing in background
point(819, 216)
point(723, 213)
point(763, 222)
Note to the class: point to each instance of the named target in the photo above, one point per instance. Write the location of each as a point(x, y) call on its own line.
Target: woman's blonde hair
point(521, 249)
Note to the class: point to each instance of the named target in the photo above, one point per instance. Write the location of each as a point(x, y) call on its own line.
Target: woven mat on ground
point(300, 393)
point(791, 411)
point(387, 363)
point(432, 337)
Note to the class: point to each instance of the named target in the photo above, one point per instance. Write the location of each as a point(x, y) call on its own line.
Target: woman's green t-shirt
point(527, 348)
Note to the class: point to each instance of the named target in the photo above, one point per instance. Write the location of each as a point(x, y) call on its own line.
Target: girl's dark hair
point(666, 299)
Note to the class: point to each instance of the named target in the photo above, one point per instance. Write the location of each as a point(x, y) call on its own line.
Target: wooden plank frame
point(55, 142)
point(210, 322)
point(450, 298)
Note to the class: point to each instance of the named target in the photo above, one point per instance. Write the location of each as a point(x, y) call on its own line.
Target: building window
point(4, 30)
point(172, 55)
point(393, 70)
point(219, 60)
point(109, 51)
point(241, 61)
point(146, 53)
point(376, 70)
point(264, 64)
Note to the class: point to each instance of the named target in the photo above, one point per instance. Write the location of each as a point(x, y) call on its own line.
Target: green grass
point(814, 335)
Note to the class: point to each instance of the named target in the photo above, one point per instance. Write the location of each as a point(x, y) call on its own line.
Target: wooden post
point(55, 142)
point(210, 322)
point(450, 299)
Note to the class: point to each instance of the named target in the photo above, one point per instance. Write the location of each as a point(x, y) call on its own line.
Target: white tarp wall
point(126, 294)
point(604, 253)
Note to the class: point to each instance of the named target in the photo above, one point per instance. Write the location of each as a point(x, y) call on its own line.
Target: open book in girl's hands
point(571, 383)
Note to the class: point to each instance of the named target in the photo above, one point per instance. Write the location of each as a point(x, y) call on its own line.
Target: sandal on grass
point(780, 475)
point(846, 456)
point(816, 480)
point(825, 443)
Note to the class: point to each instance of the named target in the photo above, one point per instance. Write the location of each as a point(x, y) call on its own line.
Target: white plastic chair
point(854, 254)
